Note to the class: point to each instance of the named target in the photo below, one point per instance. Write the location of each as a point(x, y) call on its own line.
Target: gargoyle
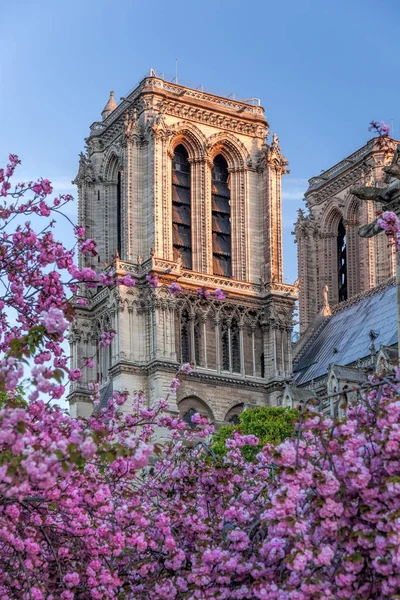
point(393, 170)
point(370, 230)
point(371, 193)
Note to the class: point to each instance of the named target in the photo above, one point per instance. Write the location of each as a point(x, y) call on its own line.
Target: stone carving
point(85, 171)
point(271, 155)
point(326, 309)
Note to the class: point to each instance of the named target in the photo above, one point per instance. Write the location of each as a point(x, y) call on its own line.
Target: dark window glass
point(234, 420)
point(235, 342)
point(188, 417)
point(342, 262)
point(119, 215)
point(181, 210)
point(225, 347)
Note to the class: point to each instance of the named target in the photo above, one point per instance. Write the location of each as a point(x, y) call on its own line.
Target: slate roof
point(343, 338)
point(105, 394)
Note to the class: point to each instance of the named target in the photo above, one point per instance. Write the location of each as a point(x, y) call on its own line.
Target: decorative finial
point(109, 107)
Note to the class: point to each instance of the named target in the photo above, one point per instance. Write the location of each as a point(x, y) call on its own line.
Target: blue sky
point(322, 69)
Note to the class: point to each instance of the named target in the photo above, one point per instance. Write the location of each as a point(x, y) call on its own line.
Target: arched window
point(119, 215)
point(342, 262)
point(232, 415)
point(190, 326)
point(221, 218)
point(191, 405)
point(181, 213)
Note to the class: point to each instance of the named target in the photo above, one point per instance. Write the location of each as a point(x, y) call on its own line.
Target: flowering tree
point(92, 510)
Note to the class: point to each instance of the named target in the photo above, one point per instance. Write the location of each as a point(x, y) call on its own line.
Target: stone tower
point(182, 184)
point(330, 250)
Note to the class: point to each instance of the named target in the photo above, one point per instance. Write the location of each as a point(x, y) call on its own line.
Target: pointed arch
point(111, 163)
point(330, 220)
point(232, 149)
point(235, 156)
point(181, 206)
point(189, 136)
point(232, 416)
point(352, 220)
point(335, 264)
point(111, 172)
point(192, 404)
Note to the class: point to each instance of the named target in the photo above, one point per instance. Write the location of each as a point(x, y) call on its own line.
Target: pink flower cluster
point(206, 294)
point(174, 289)
point(152, 280)
point(54, 321)
point(106, 337)
point(380, 127)
point(389, 222)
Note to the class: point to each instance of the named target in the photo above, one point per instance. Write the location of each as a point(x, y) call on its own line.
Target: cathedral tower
point(181, 184)
point(330, 250)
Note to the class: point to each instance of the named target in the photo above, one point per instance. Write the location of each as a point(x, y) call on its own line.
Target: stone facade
point(183, 185)
point(330, 250)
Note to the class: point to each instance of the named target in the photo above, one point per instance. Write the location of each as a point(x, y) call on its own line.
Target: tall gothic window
point(181, 213)
point(221, 218)
point(119, 215)
point(342, 262)
point(230, 341)
point(187, 329)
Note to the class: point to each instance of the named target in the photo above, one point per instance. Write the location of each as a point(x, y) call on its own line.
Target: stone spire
point(109, 107)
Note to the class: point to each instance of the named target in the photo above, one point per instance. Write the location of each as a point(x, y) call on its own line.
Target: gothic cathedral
point(182, 185)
